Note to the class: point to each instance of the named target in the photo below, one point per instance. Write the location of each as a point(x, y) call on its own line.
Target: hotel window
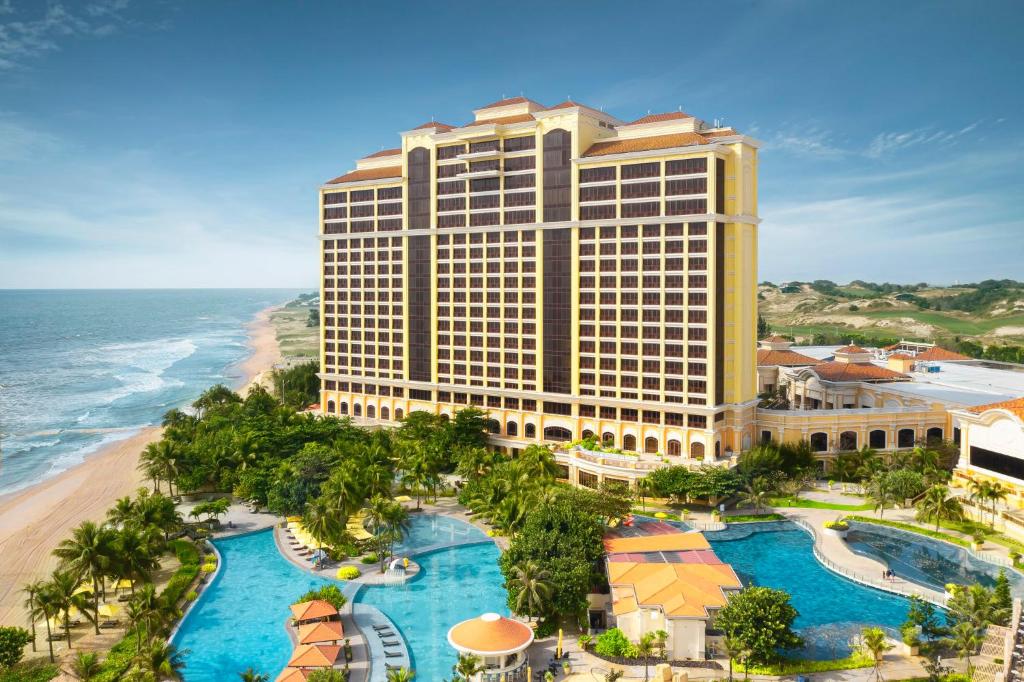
point(641, 170)
point(488, 146)
point(452, 204)
point(642, 210)
point(480, 166)
point(450, 170)
point(601, 212)
point(519, 144)
point(482, 219)
point(335, 197)
point(686, 207)
point(641, 189)
point(520, 199)
point(451, 187)
point(518, 163)
point(687, 186)
point(698, 229)
point(484, 185)
point(389, 193)
point(603, 174)
point(484, 201)
point(686, 166)
point(362, 195)
point(519, 217)
point(520, 181)
point(599, 193)
point(451, 151)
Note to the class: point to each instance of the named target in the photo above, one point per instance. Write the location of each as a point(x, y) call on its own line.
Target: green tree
point(990, 492)
point(387, 521)
point(161, 660)
point(86, 665)
point(755, 494)
point(735, 650)
point(401, 675)
point(61, 589)
point(31, 590)
point(12, 645)
point(533, 588)
point(328, 675)
point(966, 641)
point(250, 675)
point(44, 606)
point(468, 429)
point(764, 330)
point(645, 649)
point(89, 553)
point(876, 644)
point(761, 621)
point(938, 505)
point(1002, 600)
point(467, 666)
point(323, 521)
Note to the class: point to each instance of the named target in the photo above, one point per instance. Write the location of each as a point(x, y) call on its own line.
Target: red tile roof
point(643, 144)
point(855, 371)
point(726, 132)
point(784, 358)
point(518, 118)
point(774, 338)
point(313, 610)
point(490, 634)
point(383, 152)
point(658, 118)
point(936, 353)
point(1015, 407)
point(510, 100)
point(368, 174)
point(851, 349)
point(568, 104)
point(434, 124)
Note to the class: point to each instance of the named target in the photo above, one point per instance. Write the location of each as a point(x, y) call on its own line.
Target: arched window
point(444, 416)
point(876, 439)
point(905, 438)
point(371, 412)
point(629, 442)
point(697, 450)
point(608, 439)
point(848, 440)
point(511, 429)
point(674, 448)
point(819, 442)
point(344, 408)
point(492, 426)
point(385, 414)
point(557, 433)
point(330, 407)
point(650, 445)
point(531, 430)
point(357, 410)
point(587, 433)
point(399, 414)
point(934, 434)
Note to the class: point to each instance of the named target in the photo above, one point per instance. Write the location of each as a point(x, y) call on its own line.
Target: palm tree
point(388, 521)
point(966, 641)
point(147, 611)
point(533, 588)
point(134, 559)
point(161, 660)
point(151, 464)
point(45, 607)
point(880, 495)
point(322, 521)
point(876, 644)
point(643, 488)
point(401, 675)
point(61, 589)
point(755, 494)
point(250, 675)
point(468, 666)
point(734, 649)
point(89, 552)
point(997, 493)
point(86, 666)
point(31, 590)
point(938, 504)
point(645, 649)
point(122, 513)
point(418, 471)
point(986, 491)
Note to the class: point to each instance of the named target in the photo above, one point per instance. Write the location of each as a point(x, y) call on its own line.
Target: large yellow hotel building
point(570, 273)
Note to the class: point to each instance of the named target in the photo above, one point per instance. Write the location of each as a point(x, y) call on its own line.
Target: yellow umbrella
point(558, 651)
point(294, 518)
point(83, 589)
point(109, 610)
point(124, 584)
point(403, 498)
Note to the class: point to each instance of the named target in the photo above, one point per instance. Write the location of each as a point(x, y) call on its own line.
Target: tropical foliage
point(760, 621)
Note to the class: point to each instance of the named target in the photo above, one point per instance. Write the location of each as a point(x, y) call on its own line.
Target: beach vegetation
point(331, 594)
point(760, 619)
point(86, 665)
point(250, 675)
point(30, 671)
point(12, 645)
point(298, 386)
point(328, 675)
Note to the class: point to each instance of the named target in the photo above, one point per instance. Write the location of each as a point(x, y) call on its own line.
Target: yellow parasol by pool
point(109, 610)
point(294, 518)
point(124, 584)
point(403, 499)
point(84, 588)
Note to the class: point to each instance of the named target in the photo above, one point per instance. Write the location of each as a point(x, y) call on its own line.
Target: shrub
point(837, 525)
point(331, 594)
point(12, 645)
point(348, 573)
point(192, 595)
point(30, 671)
point(612, 643)
point(370, 558)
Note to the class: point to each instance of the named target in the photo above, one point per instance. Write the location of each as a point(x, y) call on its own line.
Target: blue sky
point(181, 144)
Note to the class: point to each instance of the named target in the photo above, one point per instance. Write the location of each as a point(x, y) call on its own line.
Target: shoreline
point(34, 520)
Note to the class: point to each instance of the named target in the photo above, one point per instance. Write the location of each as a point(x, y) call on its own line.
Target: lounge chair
point(381, 627)
point(391, 643)
point(393, 654)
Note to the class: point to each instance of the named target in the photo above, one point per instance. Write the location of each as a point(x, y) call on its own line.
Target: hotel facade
point(569, 273)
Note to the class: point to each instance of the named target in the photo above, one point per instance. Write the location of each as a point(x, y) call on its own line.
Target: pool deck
point(836, 556)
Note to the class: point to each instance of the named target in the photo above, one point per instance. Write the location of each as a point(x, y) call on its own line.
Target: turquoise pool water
point(239, 619)
point(927, 562)
point(832, 609)
point(453, 585)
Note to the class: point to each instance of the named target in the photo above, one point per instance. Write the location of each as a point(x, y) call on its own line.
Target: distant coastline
point(34, 519)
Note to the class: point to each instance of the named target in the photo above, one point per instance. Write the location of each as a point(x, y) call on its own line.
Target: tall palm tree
point(122, 513)
point(734, 650)
point(89, 552)
point(31, 591)
point(533, 588)
point(644, 488)
point(966, 641)
point(876, 644)
point(880, 495)
point(386, 520)
point(322, 521)
point(44, 607)
point(151, 464)
point(938, 504)
point(987, 491)
point(468, 666)
point(401, 675)
point(645, 649)
point(755, 494)
point(134, 559)
point(61, 589)
point(250, 675)
point(86, 665)
point(161, 660)
point(148, 612)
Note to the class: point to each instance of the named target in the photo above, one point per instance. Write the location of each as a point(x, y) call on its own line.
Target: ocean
point(83, 368)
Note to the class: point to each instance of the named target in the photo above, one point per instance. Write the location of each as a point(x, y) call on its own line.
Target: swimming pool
point(431, 530)
point(927, 562)
point(239, 619)
point(832, 609)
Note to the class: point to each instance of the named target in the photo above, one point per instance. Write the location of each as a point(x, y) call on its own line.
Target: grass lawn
point(814, 504)
point(912, 529)
point(800, 666)
point(955, 324)
point(34, 671)
point(753, 518)
point(294, 337)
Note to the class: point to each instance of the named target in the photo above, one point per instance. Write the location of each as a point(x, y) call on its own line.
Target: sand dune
point(35, 520)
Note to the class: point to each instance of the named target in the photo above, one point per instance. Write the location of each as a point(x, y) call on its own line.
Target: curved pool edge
point(206, 586)
point(932, 596)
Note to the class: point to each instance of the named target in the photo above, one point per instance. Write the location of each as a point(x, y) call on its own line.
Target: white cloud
point(886, 143)
point(22, 39)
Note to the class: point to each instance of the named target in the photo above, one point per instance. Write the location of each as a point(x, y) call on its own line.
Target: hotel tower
point(569, 273)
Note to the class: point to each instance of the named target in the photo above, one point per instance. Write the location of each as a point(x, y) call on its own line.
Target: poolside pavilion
point(313, 611)
point(314, 656)
point(293, 675)
point(499, 642)
point(323, 632)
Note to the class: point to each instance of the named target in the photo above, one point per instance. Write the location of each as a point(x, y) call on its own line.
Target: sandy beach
point(33, 521)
